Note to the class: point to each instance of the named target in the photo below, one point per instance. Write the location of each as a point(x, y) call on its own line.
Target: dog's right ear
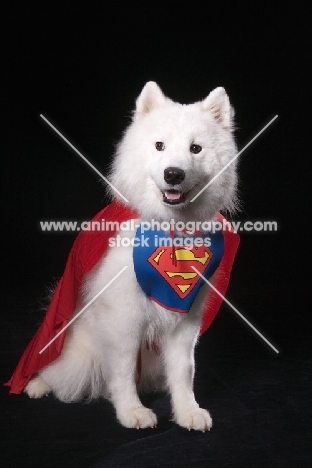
point(150, 98)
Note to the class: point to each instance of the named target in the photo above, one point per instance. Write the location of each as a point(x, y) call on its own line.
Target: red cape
point(87, 250)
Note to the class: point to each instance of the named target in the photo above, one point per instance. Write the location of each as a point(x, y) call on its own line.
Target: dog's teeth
point(173, 195)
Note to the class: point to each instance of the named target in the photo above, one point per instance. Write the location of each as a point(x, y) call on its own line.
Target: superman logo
point(178, 272)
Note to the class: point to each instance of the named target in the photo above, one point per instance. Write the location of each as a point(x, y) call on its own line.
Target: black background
point(82, 65)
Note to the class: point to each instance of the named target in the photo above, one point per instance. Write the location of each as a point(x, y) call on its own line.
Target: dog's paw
point(196, 418)
point(37, 387)
point(138, 418)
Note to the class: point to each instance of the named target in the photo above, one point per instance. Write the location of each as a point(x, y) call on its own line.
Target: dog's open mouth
point(173, 197)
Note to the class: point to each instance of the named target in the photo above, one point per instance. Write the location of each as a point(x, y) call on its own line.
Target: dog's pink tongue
point(172, 195)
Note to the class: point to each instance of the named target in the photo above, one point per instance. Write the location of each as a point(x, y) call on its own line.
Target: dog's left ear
point(218, 103)
point(150, 98)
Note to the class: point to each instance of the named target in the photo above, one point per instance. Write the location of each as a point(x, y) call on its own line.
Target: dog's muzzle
point(173, 176)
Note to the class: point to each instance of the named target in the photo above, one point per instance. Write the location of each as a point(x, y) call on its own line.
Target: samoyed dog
point(167, 155)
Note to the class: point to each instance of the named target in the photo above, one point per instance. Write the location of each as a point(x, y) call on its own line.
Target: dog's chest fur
point(132, 307)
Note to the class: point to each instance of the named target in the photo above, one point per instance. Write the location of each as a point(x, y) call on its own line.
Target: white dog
point(169, 152)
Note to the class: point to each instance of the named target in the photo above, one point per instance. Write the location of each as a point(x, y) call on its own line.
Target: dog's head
point(171, 152)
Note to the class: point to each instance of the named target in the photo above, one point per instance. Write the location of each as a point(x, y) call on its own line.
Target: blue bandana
point(163, 266)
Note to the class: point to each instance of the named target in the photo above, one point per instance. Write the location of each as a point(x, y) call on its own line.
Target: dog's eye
point(160, 146)
point(195, 149)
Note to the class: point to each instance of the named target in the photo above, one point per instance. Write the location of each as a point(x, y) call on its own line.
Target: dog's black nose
point(174, 175)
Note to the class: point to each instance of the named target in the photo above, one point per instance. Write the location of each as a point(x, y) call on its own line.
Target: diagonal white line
point(83, 309)
point(83, 157)
point(233, 159)
point(235, 310)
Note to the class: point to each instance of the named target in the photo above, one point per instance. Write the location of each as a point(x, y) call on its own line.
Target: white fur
point(99, 358)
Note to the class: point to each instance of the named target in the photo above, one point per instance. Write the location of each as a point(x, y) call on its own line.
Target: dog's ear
point(150, 98)
point(218, 103)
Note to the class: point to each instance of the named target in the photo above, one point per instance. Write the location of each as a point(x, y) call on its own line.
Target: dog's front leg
point(121, 384)
point(179, 362)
